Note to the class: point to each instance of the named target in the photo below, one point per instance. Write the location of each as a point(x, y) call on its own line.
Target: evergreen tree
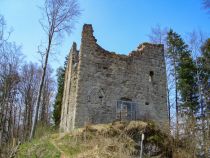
point(204, 67)
point(204, 78)
point(187, 83)
point(59, 96)
point(184, 74)
point(175, 45)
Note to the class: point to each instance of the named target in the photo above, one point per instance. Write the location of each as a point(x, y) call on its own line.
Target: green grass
point(118, 139)
point(41, 148)
point(71, 145)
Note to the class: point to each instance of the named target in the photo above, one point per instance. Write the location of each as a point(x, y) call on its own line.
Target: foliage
point(185, 71)
point(118, 139)
point(204, 66)
point(59, 95)
point(187, 83)
point(38, 148)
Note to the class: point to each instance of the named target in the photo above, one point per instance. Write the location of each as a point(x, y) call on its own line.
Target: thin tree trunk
point(177, 109)
point(169, 109)
point(40, 89)
point(25, 120)
point(11, 123)
point(43, 110)
point(14, 122)
point(2, 123)
point(18, 123)
point(3, 118)
point(176, 98)
point(30, 119)
point(4, 127)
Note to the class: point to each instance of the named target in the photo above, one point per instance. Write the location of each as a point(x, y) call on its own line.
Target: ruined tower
point(101, 86)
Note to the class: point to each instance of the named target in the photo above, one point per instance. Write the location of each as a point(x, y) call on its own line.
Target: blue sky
point(119, 25)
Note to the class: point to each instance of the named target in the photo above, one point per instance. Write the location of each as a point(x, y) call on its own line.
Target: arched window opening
point(125, 99)
point(151, 76)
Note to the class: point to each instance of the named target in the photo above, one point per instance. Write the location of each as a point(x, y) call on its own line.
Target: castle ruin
point(101, 86)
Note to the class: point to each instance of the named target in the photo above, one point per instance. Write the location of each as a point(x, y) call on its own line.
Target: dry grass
point(116, 140)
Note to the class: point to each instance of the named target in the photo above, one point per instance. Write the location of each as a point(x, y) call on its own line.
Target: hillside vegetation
point(115, 140)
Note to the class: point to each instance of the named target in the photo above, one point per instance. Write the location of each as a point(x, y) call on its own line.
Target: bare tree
point(2, 26)
point(19, 86)
point(47, 94)
point(10, 59)
point(30, 77)
point(158, 34)
point(206, 5)
point(59, 18)
point(4, 32)
point(195, 40)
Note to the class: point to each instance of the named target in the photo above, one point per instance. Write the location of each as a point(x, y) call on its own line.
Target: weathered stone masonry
point(96, 79)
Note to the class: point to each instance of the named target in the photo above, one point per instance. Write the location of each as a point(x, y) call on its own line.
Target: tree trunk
point(18, 124)
point(169, 109)
point(176, 98)
point(40, 89)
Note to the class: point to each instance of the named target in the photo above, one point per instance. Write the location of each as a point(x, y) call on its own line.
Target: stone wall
point(69, 94)
point(100, 78)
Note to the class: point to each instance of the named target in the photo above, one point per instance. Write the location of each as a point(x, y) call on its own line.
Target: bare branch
point(158, 34)
point(206, 5)
point(59, 17)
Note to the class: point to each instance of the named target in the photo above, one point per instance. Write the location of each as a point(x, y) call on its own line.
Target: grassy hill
point(115, 140)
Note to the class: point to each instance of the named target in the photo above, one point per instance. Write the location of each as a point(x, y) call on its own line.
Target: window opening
point(151, 76)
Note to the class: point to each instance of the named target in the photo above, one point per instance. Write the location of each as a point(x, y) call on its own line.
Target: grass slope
point(115, 140)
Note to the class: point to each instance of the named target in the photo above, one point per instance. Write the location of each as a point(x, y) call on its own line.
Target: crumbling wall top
point(89, 38)
point(87, 33)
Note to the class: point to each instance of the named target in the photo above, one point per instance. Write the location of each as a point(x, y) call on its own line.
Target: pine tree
point(184, 71)
point(174, 46)
point(204, 63)
point(187, 84)
point(59, 96)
